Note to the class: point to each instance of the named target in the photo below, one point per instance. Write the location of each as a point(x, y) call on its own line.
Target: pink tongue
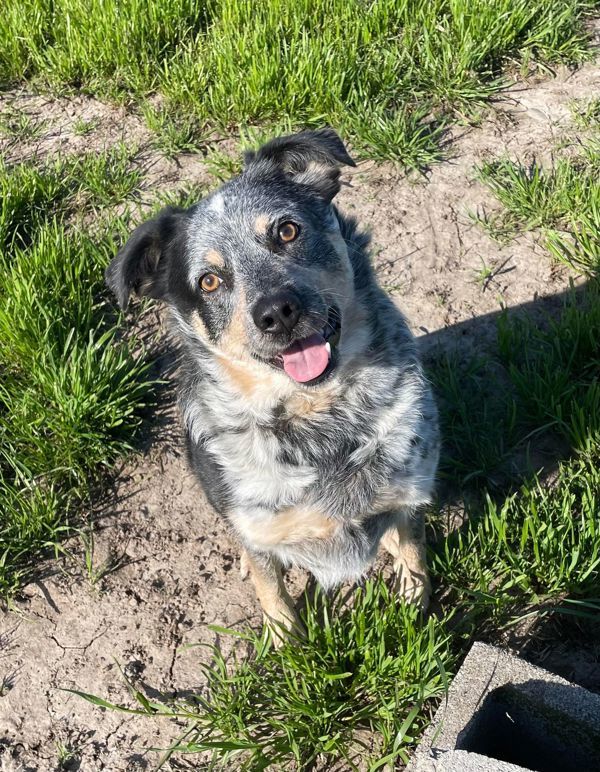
point(306, 359)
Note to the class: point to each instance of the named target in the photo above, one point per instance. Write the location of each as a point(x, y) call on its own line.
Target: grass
point(72, 390)
point(88, 43)
point(586, 113)
point(541, 543)
point(389, 74)
point(562, 201)
point(175, 132)
point(82, 128)
point(480, 431)
point(30, 194)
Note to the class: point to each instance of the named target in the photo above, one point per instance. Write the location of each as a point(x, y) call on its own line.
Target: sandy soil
point(176, 566)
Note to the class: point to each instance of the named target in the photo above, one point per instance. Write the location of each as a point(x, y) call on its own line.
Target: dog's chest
point(255, 470)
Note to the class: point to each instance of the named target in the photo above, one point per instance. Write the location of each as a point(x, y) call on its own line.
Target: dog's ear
point(140, 265)
point(311, 158)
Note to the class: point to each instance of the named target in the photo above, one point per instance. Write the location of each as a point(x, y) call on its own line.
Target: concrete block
point(461, 761)
point(505, 715)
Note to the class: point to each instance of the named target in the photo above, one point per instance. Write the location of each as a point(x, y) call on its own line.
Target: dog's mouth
point(309, 360)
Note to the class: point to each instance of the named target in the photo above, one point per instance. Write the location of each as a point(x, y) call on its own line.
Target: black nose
point(277, 313)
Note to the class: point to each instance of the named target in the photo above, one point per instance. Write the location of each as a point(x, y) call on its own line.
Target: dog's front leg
point(405, 541)
point(277, 605)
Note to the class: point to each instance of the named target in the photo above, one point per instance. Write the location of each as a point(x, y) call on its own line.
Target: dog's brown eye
point(210, 282)
point(288, 231)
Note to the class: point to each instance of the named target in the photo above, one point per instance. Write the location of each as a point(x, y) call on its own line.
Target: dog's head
point(259, 270)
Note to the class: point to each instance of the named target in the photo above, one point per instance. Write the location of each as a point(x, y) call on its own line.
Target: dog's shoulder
point(357, 241)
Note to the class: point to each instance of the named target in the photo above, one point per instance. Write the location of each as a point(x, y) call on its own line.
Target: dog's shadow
point(479, 408)
point(489, 441)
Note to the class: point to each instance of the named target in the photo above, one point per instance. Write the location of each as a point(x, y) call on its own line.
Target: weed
point(487, 273)
point(64, 754)
point(174, 132)
point(20, 126)
point(96, 573)
point(484, 275)
point(82, 128)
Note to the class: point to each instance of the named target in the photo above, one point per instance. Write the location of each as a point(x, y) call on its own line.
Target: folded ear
point(311, 158)
point(140, 266)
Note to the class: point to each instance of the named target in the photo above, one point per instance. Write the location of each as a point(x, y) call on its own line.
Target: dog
point(310, 423)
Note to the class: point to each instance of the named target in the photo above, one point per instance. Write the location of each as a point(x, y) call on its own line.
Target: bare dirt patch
point(62, 126)
point(163, 566)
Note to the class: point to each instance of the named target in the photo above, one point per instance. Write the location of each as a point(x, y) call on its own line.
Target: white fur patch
point(216, 204)
point(253, 471)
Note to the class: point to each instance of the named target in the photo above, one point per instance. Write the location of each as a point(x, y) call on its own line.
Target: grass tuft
point(586, 113)
point(175, 132)
point(19, 126)
point(359, 668)
point(562, 201)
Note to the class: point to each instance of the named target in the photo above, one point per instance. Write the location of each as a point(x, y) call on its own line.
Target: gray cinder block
point(460, 761)
point(504, 715)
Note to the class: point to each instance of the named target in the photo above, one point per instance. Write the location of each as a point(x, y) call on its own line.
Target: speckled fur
point(313, 475)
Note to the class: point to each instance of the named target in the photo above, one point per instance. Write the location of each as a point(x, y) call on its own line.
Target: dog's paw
point(412, 585)
point(282, 624)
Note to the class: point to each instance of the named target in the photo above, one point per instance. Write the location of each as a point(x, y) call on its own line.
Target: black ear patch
point(140, 266)
point(311, 158)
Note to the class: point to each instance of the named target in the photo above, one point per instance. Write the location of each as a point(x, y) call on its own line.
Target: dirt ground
point(177, 569)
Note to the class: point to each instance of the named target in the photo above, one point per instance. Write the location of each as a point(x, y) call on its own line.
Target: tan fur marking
point(275, 600)
point(234, 343)
point(234, 340)
point(295, 525)
point(410, 564)
point(261, 224)
point(313, 173)
point(213, 257)
point(306, 405)
point(247, 376)
point(243, 380)
point(199, 326)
